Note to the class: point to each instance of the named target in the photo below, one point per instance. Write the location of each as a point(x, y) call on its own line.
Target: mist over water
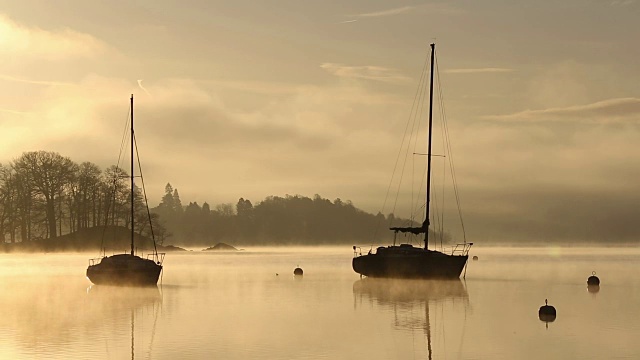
point(234, 306)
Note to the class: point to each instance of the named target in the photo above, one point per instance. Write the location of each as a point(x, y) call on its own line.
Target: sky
point(257, 98)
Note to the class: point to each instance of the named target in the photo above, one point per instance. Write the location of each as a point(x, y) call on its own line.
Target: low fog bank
point(557, 215)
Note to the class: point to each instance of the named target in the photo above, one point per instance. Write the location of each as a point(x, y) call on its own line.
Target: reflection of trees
point(411, 300)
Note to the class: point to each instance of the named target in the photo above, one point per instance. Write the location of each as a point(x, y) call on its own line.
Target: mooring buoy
point(593, 288)
point(593, 279)
point(475, 257)
point(297, 271)
point(547, 313)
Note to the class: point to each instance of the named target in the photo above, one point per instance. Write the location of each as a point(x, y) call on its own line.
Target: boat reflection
point(120, 297)
point(411, 300)
point(396, 291)
point(117, 303)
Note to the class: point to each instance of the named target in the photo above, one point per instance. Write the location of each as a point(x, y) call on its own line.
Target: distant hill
point(114, 239)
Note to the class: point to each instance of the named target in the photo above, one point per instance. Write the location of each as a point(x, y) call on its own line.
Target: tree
point(83, 196)
point(167, 201)
point(177, 204)
point(244, 207)
point(48, 173)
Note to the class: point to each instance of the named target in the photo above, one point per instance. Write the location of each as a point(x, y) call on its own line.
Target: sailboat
point(127, 269)
point(406, 260)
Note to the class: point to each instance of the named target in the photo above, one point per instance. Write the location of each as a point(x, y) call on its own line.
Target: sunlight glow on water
point(233, 306)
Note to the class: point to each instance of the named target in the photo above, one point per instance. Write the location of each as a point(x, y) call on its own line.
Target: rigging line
point(414, 115)
point(122, 146)
point(125, 136)
point(397, 159)
point(422, 86)
point(451, 164)
point(420, 188)
point(146, 202)
point(415, 145)
point(444, 169)
point(439, 203)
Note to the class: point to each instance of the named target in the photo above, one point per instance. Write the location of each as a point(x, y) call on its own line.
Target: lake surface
point(233, 306)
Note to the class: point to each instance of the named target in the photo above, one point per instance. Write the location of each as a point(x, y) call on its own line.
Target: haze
point(251, 99)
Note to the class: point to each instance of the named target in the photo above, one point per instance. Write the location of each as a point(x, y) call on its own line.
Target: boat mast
point(132, 192)
point(425, 224)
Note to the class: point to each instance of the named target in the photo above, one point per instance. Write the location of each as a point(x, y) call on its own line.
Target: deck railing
point(461, 249)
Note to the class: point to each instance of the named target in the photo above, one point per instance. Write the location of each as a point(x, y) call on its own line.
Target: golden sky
point(256, 98)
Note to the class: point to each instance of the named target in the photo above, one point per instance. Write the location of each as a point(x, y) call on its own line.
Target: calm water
point(233, 306)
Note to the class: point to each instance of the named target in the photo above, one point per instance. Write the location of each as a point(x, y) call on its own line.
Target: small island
point(221, 247)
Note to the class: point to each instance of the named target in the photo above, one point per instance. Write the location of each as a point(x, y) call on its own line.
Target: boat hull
point(414, 263)
point(124, 269)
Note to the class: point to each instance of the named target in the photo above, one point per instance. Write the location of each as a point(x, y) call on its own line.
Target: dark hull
point(414, 263)
point(124, 270)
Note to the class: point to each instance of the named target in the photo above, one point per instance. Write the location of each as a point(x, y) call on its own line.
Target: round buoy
point(593, 288)
point(547, 312)
point(475, 258)
point(593, 279)
point(297, 271)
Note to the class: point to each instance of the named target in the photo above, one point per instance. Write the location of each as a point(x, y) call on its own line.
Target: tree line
point(292, 219)
point(44, 195)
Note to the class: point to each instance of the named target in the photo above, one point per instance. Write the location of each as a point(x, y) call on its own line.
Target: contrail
point(142, 87)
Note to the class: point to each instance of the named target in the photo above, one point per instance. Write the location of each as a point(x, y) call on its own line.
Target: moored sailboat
point(127, 269)
point(406, 260)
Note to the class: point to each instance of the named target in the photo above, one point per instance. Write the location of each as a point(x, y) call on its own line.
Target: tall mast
point(425, 224)
point(132, 193)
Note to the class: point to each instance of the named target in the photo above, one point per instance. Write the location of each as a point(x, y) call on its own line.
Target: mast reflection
point(406, 298)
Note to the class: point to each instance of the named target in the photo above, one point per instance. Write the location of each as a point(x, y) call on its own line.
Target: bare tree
point(48, 172)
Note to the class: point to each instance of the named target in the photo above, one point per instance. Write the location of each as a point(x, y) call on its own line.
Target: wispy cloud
point(478, 70)
point(622, 2)
point(11, 111)
point(142, 87)
point(601, 111)
point(441, 8)
point(35, 82)
point(389, 12)
point(368, 72)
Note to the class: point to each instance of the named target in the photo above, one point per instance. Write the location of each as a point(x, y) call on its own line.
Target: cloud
point(34, 82)
point(389, 12)
point(368, 72)
point(601, 111)
point(431, 8)
point(478, 70)
point(622, 2)
point(142, 87)
point(16, 39)
point(14, 112)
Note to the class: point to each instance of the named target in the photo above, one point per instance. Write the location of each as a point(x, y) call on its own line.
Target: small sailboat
point(127, 269)
point(406, 260)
